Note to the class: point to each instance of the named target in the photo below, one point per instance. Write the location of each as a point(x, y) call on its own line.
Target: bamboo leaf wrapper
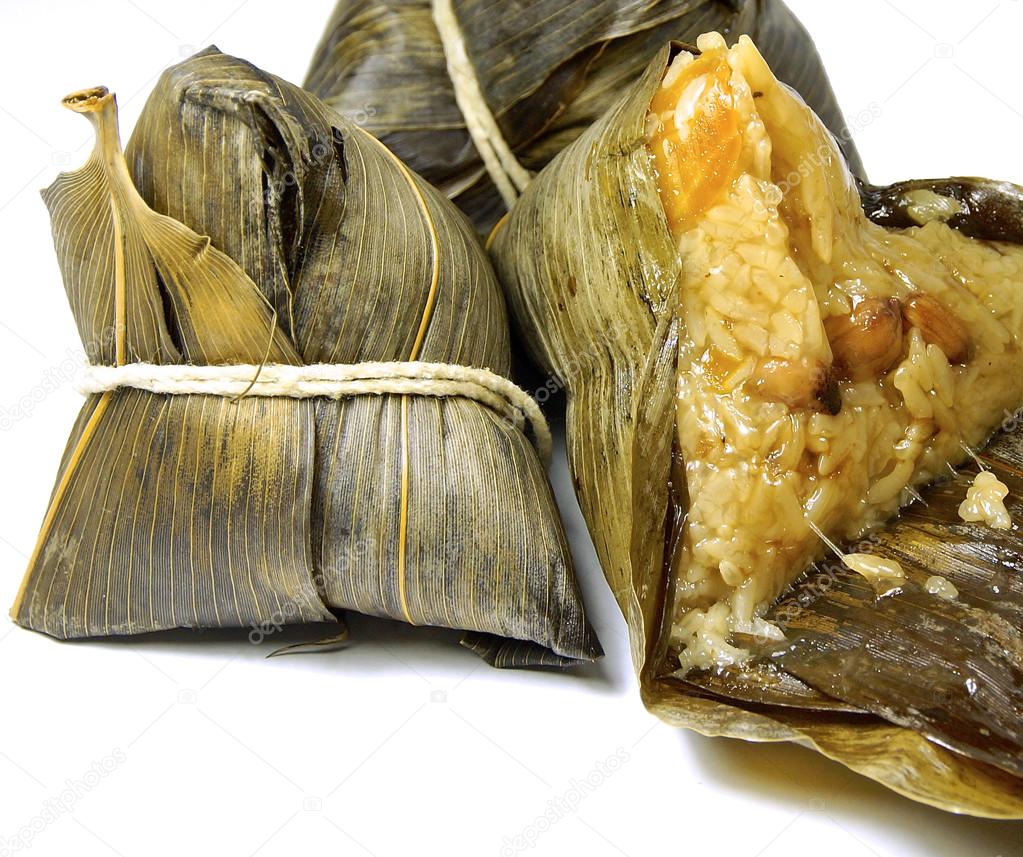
point(204, 511)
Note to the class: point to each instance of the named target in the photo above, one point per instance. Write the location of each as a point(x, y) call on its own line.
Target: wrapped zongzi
point(300, 405)
point(475, 95)
point(771, 376)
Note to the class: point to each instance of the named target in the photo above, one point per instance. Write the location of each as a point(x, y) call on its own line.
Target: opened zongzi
point(301, 407)
point(475, 95)
point(772, 373)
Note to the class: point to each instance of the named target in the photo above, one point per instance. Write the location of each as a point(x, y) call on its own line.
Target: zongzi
point(776, 373)
point(475, 95)
point(302, 407)
point(828, 363)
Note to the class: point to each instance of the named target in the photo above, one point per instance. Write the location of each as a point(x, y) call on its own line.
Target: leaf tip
point(90, 100)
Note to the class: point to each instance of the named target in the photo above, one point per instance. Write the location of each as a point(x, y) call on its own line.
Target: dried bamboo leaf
point(952, 672)
point(601, 348)
point(547, 70)
point(142, 532)
point(963, 687)
point(590, 267)
point(100, 251)
point(762, 683)
point(121, 259)
point(991, 210)
point(183, 512)
point(340, 237)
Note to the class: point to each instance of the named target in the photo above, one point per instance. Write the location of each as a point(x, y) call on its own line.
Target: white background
point(403, 743)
